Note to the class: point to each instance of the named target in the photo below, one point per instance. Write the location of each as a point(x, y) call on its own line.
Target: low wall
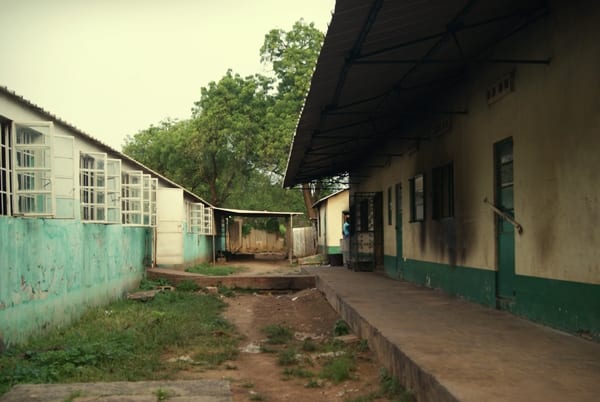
point(52, 270)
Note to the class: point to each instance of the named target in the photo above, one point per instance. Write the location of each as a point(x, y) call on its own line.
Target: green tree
point(292, 56)
point(229, 121)
point(233, 150)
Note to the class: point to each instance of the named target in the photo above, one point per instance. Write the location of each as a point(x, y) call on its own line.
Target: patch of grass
point(248, 384)
point(341, 328)
point(308, 345)
point(72, 396)
point(313, 384)
point(215, 270)
point(254, 396)
point(389, 389)
point(187, 286)
point(392, 389)
point(298, 372)
point(277, 334)
point(225, 291)
point(125, 345)
point(162, 394)
point(338, 369)
point(147, 284)
point(362, 345)
point(287, 357)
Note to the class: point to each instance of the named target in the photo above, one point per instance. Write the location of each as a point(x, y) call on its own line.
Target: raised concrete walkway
point(448, 349)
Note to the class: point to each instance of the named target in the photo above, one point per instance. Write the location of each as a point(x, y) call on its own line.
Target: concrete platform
point(265, 282)
point(142, 391)
point(448, 349)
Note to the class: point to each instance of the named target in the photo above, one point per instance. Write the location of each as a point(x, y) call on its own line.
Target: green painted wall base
point(569, 306)
point(53, 269)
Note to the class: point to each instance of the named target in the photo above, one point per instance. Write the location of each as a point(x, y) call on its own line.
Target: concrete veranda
point(447, 349)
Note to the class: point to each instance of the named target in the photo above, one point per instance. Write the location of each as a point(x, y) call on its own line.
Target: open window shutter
point(64, 177)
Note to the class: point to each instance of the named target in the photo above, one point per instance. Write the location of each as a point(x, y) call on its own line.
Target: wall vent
point(441, 126)
point(500, 88)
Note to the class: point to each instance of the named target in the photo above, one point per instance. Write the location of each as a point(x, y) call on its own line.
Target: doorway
point(505, 231)
point(399, 249)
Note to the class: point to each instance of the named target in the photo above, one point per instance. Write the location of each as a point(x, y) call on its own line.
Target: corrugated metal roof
point(380, 63)
point(320, 201)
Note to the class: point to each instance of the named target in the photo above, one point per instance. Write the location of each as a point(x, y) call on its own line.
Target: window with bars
point(442, 183)
point(417, 198)
point(200, 219)
point(100, 188)
point(138, 199)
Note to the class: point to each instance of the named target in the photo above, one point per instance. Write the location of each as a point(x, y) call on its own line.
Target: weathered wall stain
point(53, 270)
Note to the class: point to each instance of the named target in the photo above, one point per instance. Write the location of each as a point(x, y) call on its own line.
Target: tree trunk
point(309, 200)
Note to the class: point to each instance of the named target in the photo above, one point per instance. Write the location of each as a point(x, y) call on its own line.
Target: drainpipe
point(291, 239)
point(154, 245)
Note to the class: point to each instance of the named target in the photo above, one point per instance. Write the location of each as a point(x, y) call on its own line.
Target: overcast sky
point(114, 67)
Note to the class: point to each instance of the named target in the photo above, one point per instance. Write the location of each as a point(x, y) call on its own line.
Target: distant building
point(330, 218)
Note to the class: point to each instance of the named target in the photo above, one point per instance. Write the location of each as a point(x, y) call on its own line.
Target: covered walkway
point(448, 349)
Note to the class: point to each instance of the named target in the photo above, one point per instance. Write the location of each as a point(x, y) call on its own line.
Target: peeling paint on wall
point(52, 270)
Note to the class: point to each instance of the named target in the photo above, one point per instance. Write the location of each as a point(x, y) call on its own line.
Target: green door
point(505, 231)
point(399, 271)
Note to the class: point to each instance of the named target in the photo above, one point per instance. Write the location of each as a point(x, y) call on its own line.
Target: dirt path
point(258, 376)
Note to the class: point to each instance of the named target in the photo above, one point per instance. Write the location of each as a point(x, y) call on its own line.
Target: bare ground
point(255, 375)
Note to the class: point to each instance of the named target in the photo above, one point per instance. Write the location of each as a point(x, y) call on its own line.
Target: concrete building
point(471, 135)
point(330, 217)
point(80, 221)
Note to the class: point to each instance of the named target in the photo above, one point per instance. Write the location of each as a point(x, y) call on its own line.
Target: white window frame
point(138, 199)
point(200, 219)
point(100, 188)
point(32, 174)
point(5, 169)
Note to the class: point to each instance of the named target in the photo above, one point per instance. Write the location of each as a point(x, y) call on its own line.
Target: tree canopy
point(233, 149)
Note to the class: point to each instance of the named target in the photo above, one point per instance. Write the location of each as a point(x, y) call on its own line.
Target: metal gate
point(366, 247)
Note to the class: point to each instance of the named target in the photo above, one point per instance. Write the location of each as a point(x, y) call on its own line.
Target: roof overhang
point(380, 64)
point(255, 214)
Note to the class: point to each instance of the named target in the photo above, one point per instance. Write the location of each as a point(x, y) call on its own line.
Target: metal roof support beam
point(457, 61)
point(440, 34)
point(356, 48)
point(403, 113)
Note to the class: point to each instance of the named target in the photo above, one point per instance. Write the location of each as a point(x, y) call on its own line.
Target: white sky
point(114, 67)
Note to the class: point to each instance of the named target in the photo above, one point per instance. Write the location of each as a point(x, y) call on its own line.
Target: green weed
point(287, 357)
point(277, 334)
point(341, 328)
point(187, 286)
point(298, 372)
point(225, 291)
point(162, 394)
point(215, 270)
point(338, 369)
point(72, 396)
point(392, 389)
point(308, 345)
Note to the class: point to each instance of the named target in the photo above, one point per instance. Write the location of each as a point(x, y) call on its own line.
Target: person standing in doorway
point(345, 243)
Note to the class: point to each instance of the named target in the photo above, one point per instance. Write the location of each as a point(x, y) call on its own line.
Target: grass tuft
point(215, 270)
point(338, 369)
point(277, 334)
